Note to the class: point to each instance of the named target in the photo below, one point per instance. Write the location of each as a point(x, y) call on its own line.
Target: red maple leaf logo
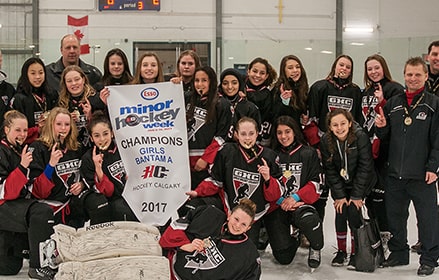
point(79, 34)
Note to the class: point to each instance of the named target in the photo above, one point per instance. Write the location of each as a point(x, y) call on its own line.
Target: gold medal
point(343, 173)
point(206, 242)
point(408, 120)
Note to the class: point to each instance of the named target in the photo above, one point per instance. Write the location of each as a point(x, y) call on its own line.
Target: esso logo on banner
point(149, 93)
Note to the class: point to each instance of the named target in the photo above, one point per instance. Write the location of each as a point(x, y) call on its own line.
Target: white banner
point(149, 123)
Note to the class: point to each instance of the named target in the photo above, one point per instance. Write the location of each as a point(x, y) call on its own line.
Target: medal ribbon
point(345, 159)
point(408, 113)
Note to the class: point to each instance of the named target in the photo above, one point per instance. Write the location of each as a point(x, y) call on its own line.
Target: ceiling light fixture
point(358, 29)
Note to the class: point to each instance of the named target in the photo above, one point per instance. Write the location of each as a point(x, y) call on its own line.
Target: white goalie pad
point(138, 267)
point(106, 240)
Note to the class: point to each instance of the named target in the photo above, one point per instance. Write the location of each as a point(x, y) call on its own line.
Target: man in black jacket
point(411, 122)
point(432, 83)
point(70, 51)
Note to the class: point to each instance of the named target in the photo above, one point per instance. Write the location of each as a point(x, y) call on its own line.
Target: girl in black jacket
point(260, 78)
point(231, 87)
point(34, 98)
point(350, 175)
point(290, 92)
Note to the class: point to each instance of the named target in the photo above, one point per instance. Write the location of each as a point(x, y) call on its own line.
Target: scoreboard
point(129, 5)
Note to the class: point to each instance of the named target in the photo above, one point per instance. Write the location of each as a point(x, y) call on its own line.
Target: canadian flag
point(79, 27)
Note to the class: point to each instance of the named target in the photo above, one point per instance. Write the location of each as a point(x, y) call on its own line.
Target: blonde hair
point(64, 95)
point(12, 115)
point(49, 139)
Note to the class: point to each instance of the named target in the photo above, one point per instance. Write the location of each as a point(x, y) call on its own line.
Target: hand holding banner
point(149, 123)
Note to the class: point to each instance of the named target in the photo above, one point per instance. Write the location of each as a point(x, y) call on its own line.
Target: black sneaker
point(339, 259)
point(425, 270)
point(44, 273)
point(314, 258)
point(351, 264)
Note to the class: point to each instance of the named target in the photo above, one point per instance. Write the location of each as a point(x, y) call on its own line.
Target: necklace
point(408, 119)
point(344, 157)
point(41, 102)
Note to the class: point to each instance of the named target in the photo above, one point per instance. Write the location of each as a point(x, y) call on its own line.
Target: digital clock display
point(130, 5)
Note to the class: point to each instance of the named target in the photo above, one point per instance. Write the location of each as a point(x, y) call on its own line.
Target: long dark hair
point(291, 123)
point(298, 99)
point(271, 73)
point(23, 84)
point(212, 95)
point(126, 75)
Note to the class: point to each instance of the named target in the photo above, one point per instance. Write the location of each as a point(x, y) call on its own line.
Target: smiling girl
point(301, 175)
point(336, 91)
point(19, 212)
point(244, 170)
point(208, 121)
point(350, 175)
point(56, 175)
point(260, 77)
point(148, 69)
point(34, 98)
point(57, 145)
point(291, 90)
point(207, 244)
point(97, 168)
point(74, 96)
point(116, 72)
point(231, 88)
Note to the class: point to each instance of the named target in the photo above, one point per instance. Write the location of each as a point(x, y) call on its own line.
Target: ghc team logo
point(209, 258)
point(291, 177)
point(245, 183)
point(149, 93)
point(335, 102)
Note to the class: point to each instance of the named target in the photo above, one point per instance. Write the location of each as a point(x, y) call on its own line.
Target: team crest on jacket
point(68, 171)
point(209, 258)
point(245, 183)
point(195, 123)
point(291, 177)
point(117, 171)
point(421, 116)
point(335, 102)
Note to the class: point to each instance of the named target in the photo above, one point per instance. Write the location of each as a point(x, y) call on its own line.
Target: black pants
point(31, 217)
point(349, 215)
point(278, 225)
point(121, 211)
point(12, 245)
point(398, 195)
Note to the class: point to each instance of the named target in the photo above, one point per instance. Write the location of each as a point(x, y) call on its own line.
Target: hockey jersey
point(235, 175)
point(226, 256)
